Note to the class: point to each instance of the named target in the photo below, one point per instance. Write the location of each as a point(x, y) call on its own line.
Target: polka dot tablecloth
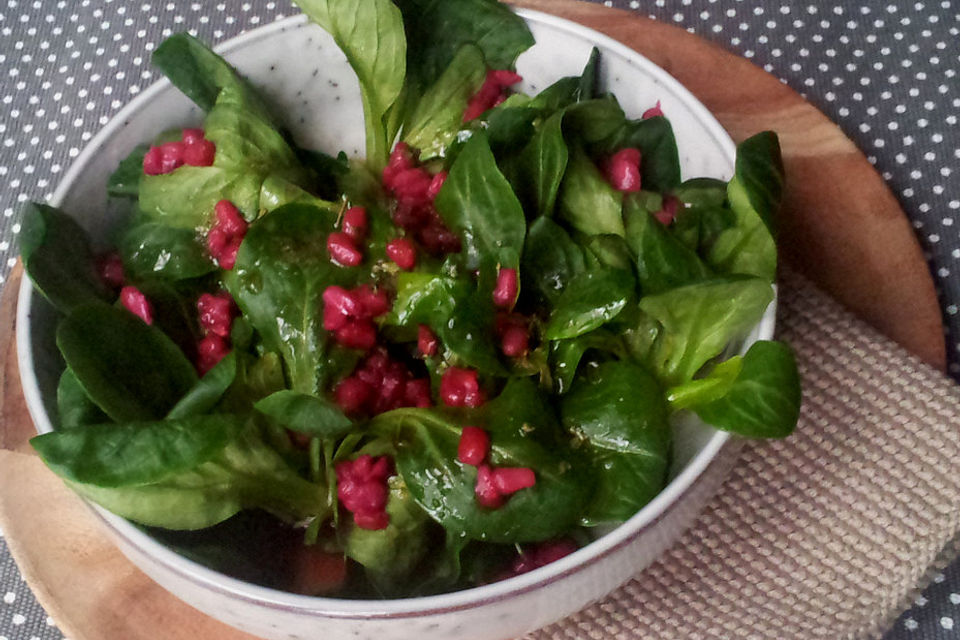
point(886, 72)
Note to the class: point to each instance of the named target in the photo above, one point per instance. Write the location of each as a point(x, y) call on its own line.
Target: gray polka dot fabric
point(886, 72)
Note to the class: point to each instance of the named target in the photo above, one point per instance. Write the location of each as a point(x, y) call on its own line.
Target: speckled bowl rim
point(321, 607)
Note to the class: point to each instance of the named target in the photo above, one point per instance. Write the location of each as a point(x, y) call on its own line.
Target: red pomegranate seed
point(515, 341)
point(403, 253)
point(668, 211)
point(342, 250)
point(357, 334)
point(228, 257)
point(352, 395)
point(344, 302)
point(505, 292)
point(136, 303)
point(652, 111)
point(216, 241)
point(474, 446)
point(490, 93)
point(411, 186)
point(417, 393)
point(509, 480)
point(171, 156)
point(371, 303)
point(504, 77)
point(210, 350)
point(199, 153)
point(110, 269)
point(623, 170)
point(547, 552)
point(401, 158)
point(362, 490)
point(192, 135)
point(436, 183)
point(392, 388)
point(486, 492)
point(355, 223)
point(460, 388)
point(229, 218)
point(153, 162)
point(216, 313)
point(427, 341)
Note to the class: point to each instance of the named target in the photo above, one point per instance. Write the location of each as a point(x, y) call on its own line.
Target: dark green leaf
point(477, 201)
point(700, 320)
point(591, 299)
point(115, 455)
point(618, 409)
point(565, 355)
point(129, 369)
point(542, 164)
point(306, 414)
point(74, 406)
point(436, 29)
point(151, 250)
point(660, 159)
point(281, 272)
point(662, 261)
point(57, 258)
point(764, 400)
point(758, 182)
point(587, 87)
point(551, 259)
point(124, 182)
point(587, 201)
point(208, 390)
point(200, 73)
point(439, 113)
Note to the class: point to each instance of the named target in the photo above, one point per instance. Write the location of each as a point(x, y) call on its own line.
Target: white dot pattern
point(886, 72)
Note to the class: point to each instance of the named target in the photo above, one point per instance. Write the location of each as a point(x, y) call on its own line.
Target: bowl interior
point(318, 96)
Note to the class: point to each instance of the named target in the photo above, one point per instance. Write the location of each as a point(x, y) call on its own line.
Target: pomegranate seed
point(436, 183)
point(136, 303)
point(460, 388)
point(652, 111)
point(487, 494)
point(216, 241)
point(540, 555)
point(403, 253)
point(362, 490)
point(153, 162)
point(427, 342)
point(229, 218)
point(216, 313)
point(623, 170)
point(210, 350)
point(515, 341)
point(504, 77)
point(411, 186)
point(372, 303)
point(352, 394)
point(228, 257)
point(401, 158)
point(299, 440)
point(199, 153)
point(171, 156)
point(342, 300)
point(509, 480)
point(668, 211)
point(355, 223)
point(505, 292)
point(474, 446)
point(110, 269)
point(342, 250)
point(392, 388)
point(357, 334)
point(417, 393)
point(190, 136)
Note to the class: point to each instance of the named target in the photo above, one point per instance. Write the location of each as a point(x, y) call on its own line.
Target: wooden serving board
point(842, 227)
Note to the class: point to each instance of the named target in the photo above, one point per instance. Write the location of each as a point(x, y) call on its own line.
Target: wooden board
point(842, 227)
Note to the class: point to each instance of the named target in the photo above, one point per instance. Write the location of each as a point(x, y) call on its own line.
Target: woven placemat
point(827, 534)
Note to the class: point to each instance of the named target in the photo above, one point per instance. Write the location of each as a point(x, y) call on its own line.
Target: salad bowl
point(300, 67)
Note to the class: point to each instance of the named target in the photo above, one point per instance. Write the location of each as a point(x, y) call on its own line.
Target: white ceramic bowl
point(299, 66)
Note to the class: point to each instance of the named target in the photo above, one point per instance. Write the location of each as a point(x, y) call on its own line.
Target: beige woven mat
point(827, 534)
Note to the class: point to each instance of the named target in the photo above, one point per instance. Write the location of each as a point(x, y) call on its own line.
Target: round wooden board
point(842, 227)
